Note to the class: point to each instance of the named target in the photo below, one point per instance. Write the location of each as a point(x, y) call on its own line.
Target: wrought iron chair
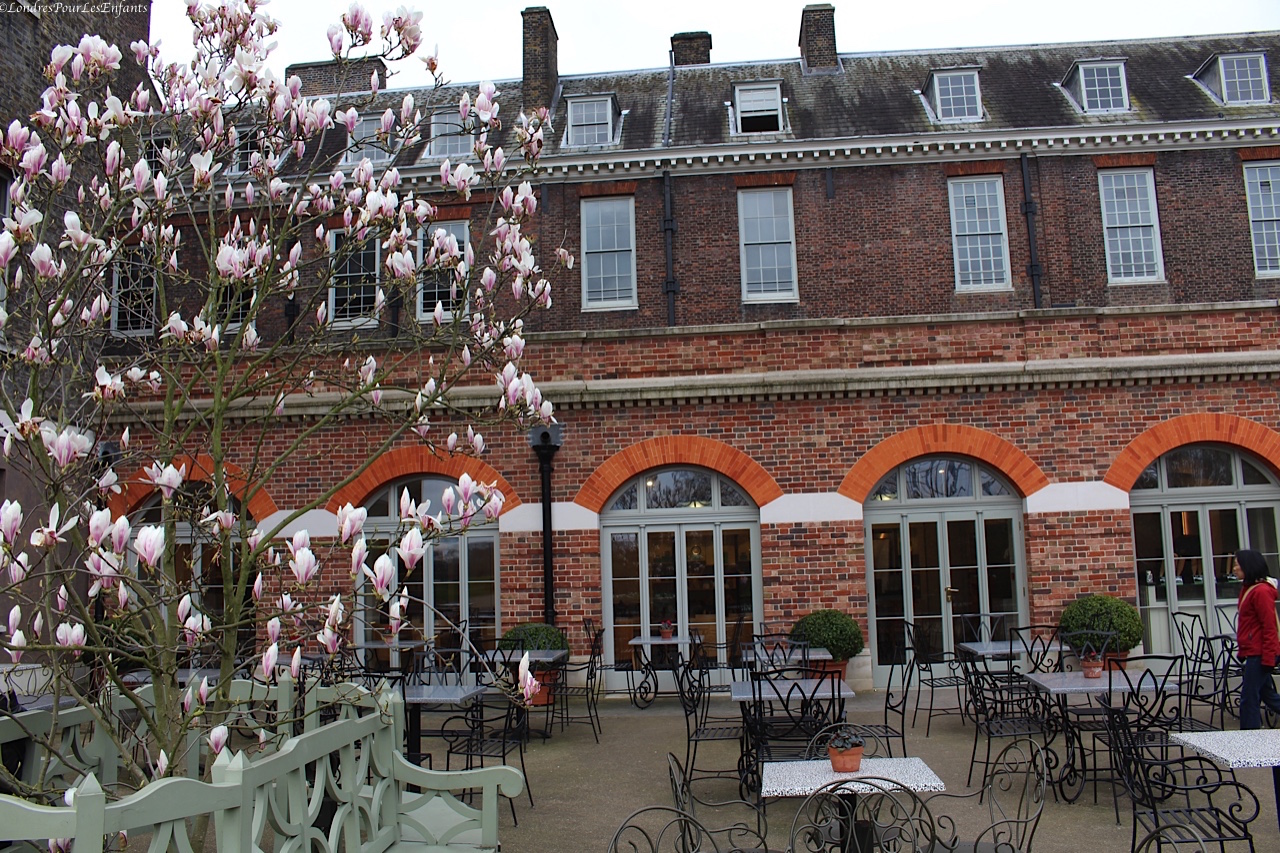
point(588, 690)
point(857, 817)
point(1203, 676)
point(998, 718)
point(1039, 647)
point(768, 651)
point(661, 829)
point(1188, 790)
point(895, 707)
point(1014, 795)
point(714, 813)
point(1180, 837)
point(490, 733)
point(873, 746)
point(695, 699)
point(926, 655)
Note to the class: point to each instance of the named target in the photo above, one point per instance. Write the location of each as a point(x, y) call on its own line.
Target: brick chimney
point(818, 37)
point(330, 78)
point(540, 70)
point(691, 48)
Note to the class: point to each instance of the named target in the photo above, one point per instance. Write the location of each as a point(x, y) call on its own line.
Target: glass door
point(953, 576)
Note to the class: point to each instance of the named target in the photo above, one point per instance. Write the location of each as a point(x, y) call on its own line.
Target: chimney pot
point(691, 48)
point(818, 37)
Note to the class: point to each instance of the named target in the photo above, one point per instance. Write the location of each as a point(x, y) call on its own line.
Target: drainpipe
point(545, 441)
point(1029, 208)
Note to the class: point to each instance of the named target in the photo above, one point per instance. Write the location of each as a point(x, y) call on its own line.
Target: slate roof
point(875, 94)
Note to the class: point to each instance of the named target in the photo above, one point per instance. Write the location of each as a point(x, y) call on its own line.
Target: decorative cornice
point(853, 151)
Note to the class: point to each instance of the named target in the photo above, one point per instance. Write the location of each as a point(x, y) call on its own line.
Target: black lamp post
point(545, 441)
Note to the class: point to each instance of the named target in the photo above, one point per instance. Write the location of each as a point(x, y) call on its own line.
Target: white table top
point(740, 691)
point(674, 640)
point(802, 778)
point(1252, 748)
point(1009, 648)
point(441, 694)
point(512, 656)
point(1065, 683)
point(396, 643)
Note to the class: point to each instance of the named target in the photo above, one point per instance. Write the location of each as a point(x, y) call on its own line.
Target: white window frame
point(363, 142)
point(1262, 68)
point(335, 321)
point(935, 98)
point(955, 193)
point(575, 121)
point(460, 228)
point(1264, 220)
point(792, 295)
point(1084, 88)
point(739, 113)
point(590, 256)
point(1114, 276)
point(134, 257)
point(446, 140)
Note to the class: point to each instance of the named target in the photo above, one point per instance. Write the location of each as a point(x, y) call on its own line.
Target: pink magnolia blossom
point(218, 739)
point(10, 521)
point(50, 535)
point(529, 685)
point(382, 575)
point(269, 661)
point(167, 479)
point(70, 636)
point(351, 521)
point(17, 643)
point(295, 663)
point(273, 629)
point(359, 552)
point(329, 639)
point(150, 545)
point(162, 765)
point(304, 565)
point(411, 547)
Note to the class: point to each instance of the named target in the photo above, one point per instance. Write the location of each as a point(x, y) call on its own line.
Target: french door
point(952, 575)
point(697, 576)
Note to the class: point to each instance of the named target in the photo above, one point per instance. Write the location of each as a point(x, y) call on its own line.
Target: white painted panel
point(793, 508)
point(1077, 497)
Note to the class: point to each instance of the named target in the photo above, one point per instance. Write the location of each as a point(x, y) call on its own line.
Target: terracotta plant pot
point(845, 761)
point(664, 633)
point(546, 694)
point(1091, 668)
point(838, 668)
point(1116, 661)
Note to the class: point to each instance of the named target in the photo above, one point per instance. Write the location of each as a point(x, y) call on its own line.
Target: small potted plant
point(1090, 663)
point(1101, 623)
point(534, 636)
point(833, 630)
point(665, 629)
point(845, 750)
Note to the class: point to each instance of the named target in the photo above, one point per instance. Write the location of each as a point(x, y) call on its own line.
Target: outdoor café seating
point(661, 829)
point(1013, 792)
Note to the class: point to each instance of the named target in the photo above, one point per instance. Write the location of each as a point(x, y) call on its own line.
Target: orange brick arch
point(1023, 473)
point(407, 461)
point(1191, 429)
point(137, 488)
point(677, 450)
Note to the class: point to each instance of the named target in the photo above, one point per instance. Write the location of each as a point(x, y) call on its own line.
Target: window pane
point(607, 250)
point(1193, 467)
point(938, 478)
point(1128, 213)
point(1243, 80)
point(627, 499)
point(133, 299)
point(589, 122)
point(680, 488)
point(442, 285)
point(957, 95)
point(887, 490)
point(977, 223)
point(355, 279)
point(1103, 87)
point(766, 242)
point(1262, 188)
point(447, 136)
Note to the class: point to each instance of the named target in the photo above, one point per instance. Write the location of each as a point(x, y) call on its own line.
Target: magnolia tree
point(112, 188)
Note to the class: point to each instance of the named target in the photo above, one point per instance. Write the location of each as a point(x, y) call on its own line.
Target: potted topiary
point(534, 636)
point(1087, 622)
point(845, 750)
point(833, 630)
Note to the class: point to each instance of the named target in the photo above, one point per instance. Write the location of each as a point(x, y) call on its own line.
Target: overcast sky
point(482, 41)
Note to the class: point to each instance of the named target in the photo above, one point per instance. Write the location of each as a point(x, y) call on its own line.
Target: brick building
point(915, 335)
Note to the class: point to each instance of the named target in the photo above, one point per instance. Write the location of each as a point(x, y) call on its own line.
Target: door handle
point(951, 590)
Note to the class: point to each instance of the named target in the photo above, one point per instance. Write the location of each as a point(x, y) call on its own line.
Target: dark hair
point(1252, 565)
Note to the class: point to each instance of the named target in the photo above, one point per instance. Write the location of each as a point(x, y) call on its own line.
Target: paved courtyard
point(583, 791)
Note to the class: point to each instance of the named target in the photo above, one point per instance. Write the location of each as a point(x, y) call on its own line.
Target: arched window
point(458, 576)
point(679, 544)
point(944, 552)
point(1193, 508)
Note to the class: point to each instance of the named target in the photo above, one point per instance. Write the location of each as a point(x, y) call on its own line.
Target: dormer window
point(1098, 86)
point(953, 95)
point(1236, 79)
point(447, 137)
point(759, 108)
point(591, 121)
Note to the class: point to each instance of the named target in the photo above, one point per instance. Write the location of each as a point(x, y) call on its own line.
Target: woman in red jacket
point(1257, 637)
